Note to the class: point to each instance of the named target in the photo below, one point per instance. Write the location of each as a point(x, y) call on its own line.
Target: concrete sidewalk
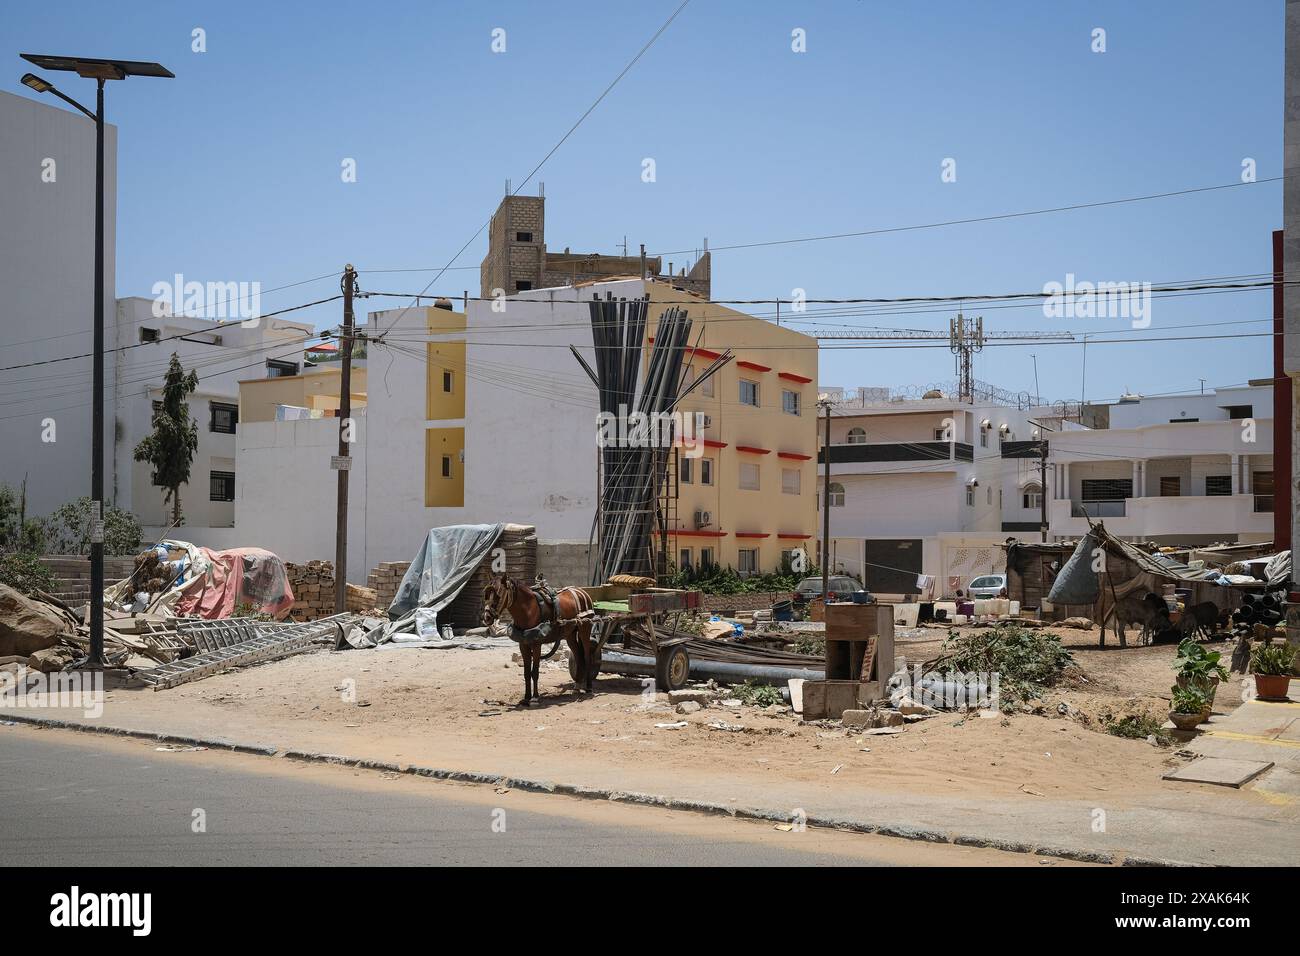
point(1263, 731)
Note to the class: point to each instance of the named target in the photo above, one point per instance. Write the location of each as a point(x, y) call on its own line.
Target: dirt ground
point(459, 704)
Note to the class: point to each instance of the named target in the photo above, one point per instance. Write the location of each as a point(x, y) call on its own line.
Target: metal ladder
point(238, 642)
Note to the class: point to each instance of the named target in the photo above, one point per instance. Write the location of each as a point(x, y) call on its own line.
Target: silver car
point(988, 586)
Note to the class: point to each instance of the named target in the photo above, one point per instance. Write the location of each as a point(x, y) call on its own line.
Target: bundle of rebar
point(634, 460)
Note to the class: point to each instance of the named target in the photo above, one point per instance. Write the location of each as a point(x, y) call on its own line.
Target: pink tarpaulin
point(249, 576)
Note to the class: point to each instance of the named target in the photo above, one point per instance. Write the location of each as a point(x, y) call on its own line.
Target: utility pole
point(1042, 478)
point(344, 460)
point(825, 403)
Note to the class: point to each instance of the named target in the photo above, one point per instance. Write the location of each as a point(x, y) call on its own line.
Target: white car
point(988, 586)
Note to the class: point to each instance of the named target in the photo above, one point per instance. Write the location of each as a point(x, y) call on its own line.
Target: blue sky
point(232, 170)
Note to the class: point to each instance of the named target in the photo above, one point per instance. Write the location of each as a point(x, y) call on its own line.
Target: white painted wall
point(47, 250)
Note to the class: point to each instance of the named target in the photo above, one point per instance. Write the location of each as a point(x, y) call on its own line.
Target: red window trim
point(795, 537)
point(754, 366)
point(791, 377)
point(754, 451)
point(698, 534)
point(753, 534)
point(793, 456)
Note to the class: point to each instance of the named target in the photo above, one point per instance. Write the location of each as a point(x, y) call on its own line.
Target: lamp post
point(100, 71)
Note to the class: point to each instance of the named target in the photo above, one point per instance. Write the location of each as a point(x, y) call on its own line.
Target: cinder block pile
point(385, 580)
point(313, 589)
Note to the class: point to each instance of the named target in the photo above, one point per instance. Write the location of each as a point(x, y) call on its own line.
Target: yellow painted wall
point(314, 388)
point(439, 491)
point(440, 404)
point(767, 510)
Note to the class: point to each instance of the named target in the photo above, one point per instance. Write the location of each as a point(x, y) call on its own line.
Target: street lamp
point(100, 71)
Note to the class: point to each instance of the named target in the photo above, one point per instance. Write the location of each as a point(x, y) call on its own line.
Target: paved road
point(87, 802)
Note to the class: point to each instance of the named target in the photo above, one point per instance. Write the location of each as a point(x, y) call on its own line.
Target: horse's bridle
point(497, 598)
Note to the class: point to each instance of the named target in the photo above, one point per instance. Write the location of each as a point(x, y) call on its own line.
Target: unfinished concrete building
point(517, 260)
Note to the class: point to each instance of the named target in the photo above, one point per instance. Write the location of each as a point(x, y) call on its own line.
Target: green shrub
point(756, 693)
point(1272, 659)
point(1139, 727)
point(1025, 660)
point(67, 529)
point(24, 572)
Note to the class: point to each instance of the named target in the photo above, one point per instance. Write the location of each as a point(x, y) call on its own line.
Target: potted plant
point(1189, 705)
point(1195, 666)
point(1271, 663)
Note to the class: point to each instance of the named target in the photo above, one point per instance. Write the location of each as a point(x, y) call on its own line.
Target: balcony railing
point(1098, 509)
point(868, 452)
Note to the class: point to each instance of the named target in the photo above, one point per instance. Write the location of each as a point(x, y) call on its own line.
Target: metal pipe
point(723, 671)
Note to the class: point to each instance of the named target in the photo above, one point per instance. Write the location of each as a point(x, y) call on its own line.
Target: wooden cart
point(618, 608)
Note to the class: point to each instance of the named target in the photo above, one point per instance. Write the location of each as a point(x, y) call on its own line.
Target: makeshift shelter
point(200, 582)
point(1106, 572)
point(1031, 570)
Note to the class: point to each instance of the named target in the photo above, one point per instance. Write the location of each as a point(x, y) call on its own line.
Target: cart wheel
point(672, 668)
point(573, 667)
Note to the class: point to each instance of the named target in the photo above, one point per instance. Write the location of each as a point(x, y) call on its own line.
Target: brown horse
point(538, 616)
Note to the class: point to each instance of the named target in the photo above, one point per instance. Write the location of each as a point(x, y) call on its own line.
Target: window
point(275, 368)
point(684, 559)
point(523, 237)
point(157, 406)
point(446, 466)
point(1175, 421)
point(748, 392)
point(1032, 497)
point(790, 478)
point(706, 471)
point(1216, 485)
point(148, 335)
point(1262, 484)
point(836, 491)
point(747, 559)
point(788, 558)
point(970, 497)
point(706, 389)
point(789, 402)
point(1171, 486)
point(856, 436)
point(706, 558)
point(988, 495)
point(448, 381)
point(684, 470)
point(748, 476)
point(221, 485)
point(224, 417)
point(942, 434)
point(1241, 411)
point(984, 438)
point(1105, 489)
point(522, 285)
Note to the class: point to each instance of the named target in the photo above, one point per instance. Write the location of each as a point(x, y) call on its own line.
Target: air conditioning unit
point(708, 421)
point(703, 519)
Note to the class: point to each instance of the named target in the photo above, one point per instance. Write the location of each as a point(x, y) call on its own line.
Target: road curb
point(896, 830)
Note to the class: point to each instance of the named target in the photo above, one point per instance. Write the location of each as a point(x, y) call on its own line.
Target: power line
point(165, 338)
point(631, 63)
point(976, 219)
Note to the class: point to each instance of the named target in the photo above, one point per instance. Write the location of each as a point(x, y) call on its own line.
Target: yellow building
point(750, 498)
point(316, 388)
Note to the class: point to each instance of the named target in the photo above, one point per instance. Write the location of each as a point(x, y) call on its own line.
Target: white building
point(222, 354)
point(935, 486)
point(1179, 469)
point(47, 263)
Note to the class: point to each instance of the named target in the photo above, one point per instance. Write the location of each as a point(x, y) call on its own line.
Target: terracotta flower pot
point(1184, 721)
point(1272, 686)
